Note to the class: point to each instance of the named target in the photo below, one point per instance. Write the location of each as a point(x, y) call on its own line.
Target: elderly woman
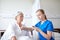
point(17, 30)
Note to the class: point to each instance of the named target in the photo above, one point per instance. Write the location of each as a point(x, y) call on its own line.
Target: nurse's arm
point(13, 38)
point(47, 36)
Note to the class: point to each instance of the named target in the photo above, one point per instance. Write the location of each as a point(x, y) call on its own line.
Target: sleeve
point(26, 31)
point(11, 31)
point(37, 25)
point(8, 33)
point(50, 27)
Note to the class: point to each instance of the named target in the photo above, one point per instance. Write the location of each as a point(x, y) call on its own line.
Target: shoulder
point(12, 25)
point(49, 22)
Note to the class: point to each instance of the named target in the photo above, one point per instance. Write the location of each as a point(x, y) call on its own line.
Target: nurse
point(17, 30)
point(44, 27)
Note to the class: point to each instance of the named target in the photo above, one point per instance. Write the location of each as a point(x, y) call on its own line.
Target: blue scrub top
point(46, 26)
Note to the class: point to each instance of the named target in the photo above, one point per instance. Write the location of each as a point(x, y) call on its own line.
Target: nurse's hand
point(37, 29)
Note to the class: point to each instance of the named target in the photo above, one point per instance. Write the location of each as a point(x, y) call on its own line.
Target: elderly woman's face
point(40, 15)
point(20, 18)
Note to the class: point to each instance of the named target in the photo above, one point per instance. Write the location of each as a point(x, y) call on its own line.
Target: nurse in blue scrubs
point(44, 27)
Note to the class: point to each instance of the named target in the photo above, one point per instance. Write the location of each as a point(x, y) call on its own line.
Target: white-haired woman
point(17, 30)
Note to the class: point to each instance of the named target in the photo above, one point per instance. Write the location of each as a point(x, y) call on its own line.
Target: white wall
point(9, 8)
point(52, 8)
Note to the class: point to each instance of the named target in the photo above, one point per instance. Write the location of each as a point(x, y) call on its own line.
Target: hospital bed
point(56, 33)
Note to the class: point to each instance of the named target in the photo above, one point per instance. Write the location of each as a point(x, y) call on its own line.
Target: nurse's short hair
point(19, 13)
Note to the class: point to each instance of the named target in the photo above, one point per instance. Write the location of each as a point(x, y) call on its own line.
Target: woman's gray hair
point(19, 13)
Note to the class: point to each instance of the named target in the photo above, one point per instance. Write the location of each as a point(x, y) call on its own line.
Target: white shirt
point(14, 30)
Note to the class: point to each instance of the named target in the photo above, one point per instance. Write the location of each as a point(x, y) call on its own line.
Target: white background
point(9, 9)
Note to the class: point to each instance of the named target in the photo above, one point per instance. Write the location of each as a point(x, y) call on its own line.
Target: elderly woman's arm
point(27, 28)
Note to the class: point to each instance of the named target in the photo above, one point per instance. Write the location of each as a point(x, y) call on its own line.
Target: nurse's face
point(20, 18)
point(40, 15)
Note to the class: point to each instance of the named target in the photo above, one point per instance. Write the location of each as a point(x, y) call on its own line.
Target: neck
point(19, 23)
point(43, 19)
